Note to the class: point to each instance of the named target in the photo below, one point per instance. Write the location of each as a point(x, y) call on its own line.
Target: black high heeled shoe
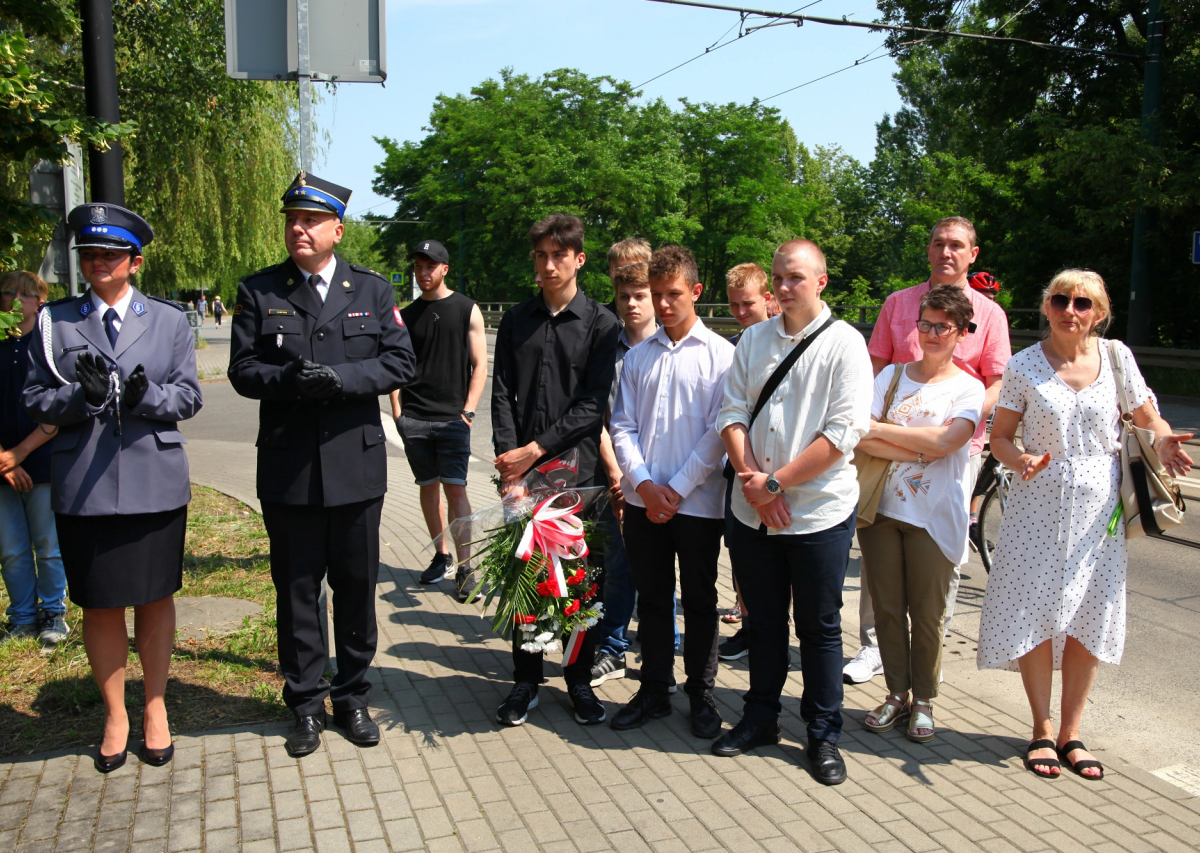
point(109, 763)
point(157, 757)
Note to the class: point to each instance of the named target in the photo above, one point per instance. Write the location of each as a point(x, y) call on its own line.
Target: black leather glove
point(135, 387)
point(92, 376)
point(319, 381)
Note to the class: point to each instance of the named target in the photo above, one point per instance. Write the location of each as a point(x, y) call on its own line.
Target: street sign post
point(59, 188)
point(1196, 247)
point(270, 40)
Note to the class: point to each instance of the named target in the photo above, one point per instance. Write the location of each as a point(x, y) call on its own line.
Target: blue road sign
point(1196, 247)
point(398, 277)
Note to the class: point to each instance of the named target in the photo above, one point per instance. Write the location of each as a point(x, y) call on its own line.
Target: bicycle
point(993, 484)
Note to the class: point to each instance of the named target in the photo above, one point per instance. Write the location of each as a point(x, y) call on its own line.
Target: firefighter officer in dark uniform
point(317, 340)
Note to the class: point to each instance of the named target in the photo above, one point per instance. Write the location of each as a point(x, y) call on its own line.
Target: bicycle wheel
point(990, 514)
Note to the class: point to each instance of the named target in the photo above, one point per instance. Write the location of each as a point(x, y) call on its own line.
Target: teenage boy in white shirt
point(794, 514)
point(664, 434)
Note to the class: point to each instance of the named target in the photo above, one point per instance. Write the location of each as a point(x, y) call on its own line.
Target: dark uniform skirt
point(122, 560)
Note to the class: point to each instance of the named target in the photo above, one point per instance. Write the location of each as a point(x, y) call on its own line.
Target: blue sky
point(448, 46)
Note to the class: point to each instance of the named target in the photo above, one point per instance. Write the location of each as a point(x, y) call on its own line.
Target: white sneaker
point(866, 665)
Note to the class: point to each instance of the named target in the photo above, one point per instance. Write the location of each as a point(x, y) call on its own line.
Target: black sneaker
point(437, 568)
point(465, 582)
point(514, 710)
point(706, 719)
point(735, 648)
point(651, 702)
point(607, 666)
point(589, 711)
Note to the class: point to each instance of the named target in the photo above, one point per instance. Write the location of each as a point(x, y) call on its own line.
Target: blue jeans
point(620, 597)
point(26, 527)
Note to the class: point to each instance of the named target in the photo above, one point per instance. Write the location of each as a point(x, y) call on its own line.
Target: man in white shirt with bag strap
point(667, 447)
point(794, 514)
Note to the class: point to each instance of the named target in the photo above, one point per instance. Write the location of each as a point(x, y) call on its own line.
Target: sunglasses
point(1060, 301)
point(939, 329)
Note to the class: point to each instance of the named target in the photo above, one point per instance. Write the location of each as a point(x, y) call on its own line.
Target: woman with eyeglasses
point(920, 531)
point(1056, 594)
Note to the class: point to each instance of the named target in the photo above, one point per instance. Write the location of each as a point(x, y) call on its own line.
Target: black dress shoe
point(828, 766)
point(157, 757)
point(305, 735)
point(358, 726)
point(706, 719)
point(746, 735)
point(109, 763)
point(651, 702)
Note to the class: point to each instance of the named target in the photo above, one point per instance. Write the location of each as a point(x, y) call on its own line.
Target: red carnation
point(591, 593)
point(577, 578)
point(572, 608)
point(546, 588)
point(524, 619)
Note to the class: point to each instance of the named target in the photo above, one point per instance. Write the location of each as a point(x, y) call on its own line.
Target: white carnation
point(553, 646)
point(544, 638)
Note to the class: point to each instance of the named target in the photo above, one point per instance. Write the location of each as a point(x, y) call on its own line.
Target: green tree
point(1042, 148)
point(516, 149)
point(360, 245)
point(37, 117)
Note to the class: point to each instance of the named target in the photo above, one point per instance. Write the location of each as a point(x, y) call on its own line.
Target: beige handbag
point(872, 470)
point(1151, 499)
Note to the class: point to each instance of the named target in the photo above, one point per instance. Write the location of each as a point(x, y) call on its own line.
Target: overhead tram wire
point(714, 47)
point(800, 20)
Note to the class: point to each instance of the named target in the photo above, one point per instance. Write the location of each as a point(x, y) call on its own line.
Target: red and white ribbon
point(573, 646)
point(556, 532)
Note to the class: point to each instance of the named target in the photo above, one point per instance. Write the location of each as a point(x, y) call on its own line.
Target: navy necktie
point(110, 326)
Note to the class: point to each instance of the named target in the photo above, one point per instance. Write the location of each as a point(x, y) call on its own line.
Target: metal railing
point(716, 317)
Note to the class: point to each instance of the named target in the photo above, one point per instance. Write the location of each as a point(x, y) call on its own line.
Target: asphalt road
point(1141, 710)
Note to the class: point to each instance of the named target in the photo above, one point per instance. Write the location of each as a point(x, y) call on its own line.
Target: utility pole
point(100, 94)
point(462, 227)
point(1141, 301)
point(304, 76)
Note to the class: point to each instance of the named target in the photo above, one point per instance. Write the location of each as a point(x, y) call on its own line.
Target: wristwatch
point(468, 415)
point(773, 485)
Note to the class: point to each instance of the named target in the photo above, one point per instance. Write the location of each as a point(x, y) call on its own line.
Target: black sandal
point(1032, 764)
point(1083, 763)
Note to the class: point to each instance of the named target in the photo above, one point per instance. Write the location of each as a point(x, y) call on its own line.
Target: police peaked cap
point(107, 226)
point(308, 192)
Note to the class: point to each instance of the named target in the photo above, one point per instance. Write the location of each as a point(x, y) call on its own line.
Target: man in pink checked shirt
point(983, 353)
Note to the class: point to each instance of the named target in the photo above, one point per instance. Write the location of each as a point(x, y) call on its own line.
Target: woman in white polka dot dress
point(1056, 594)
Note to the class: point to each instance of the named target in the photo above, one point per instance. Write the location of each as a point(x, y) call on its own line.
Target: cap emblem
point(99, 214)
point(426, 246)
point(301, 178)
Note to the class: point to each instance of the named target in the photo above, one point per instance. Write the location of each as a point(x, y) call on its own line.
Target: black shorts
point(437, 451)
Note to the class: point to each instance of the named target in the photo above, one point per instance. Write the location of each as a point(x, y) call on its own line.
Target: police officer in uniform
point(317, 340)
point(115, 371)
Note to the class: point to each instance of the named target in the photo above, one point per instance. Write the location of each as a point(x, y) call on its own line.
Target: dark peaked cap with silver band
point(107, 226)
point(308, 192)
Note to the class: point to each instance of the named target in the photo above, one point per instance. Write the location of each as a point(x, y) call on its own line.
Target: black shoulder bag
point(773, 382)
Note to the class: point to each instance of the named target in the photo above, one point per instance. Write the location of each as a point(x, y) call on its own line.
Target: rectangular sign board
point(348, 42)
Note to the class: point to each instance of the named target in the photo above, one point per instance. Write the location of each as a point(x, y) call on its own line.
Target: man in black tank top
point(434, 412)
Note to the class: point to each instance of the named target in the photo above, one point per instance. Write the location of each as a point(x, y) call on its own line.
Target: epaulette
point(264, 271)
point(168, 302)
point(62, 301)
point(358, 268)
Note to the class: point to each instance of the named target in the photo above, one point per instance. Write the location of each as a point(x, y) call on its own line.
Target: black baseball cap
point(431, 249)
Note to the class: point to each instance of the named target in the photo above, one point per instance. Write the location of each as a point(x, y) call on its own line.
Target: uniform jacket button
point(321, 336)
point(326, 433)
point(362, 325)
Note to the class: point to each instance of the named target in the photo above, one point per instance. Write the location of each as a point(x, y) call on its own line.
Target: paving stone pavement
point(446, 777)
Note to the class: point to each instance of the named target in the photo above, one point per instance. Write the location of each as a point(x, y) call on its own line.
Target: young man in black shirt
point(434, 412)
point(554, 366)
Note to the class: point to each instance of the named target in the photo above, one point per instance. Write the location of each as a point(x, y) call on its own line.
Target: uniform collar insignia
point(139, 308)
point(345, 284)
point(85, 307)
point(291, 281)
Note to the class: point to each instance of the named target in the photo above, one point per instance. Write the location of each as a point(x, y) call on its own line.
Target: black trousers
point(810, 568)
point(652, 550)
point(307, 543)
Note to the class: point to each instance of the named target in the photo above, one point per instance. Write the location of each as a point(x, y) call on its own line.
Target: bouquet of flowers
point(532, 558)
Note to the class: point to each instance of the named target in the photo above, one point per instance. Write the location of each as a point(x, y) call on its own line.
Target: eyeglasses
point(939, 329)
point(1060, 301)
